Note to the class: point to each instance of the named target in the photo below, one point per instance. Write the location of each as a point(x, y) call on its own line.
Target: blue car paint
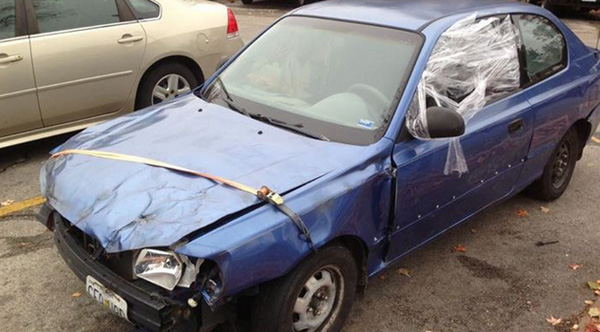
point(346, 191)
point(129, 206)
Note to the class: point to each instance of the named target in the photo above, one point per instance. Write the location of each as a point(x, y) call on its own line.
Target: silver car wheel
point(169, 87)
point(319, 301)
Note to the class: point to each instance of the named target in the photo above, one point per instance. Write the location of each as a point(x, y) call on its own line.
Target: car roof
point(404, 14)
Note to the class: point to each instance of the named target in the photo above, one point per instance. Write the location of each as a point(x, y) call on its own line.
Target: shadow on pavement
point(22, 153)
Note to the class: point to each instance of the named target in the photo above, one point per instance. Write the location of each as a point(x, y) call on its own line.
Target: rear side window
point(543, 45)
point(57, 15)
point(7, 19)
point(144, 9)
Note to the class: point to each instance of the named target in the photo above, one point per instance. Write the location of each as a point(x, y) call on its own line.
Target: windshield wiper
point(236, 108)
point(220, 81)
point(228, 100)
point(275, 122)
point(209, 94)
point(298, 128)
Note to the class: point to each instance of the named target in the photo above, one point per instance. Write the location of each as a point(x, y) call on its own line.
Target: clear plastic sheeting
point(474, 62)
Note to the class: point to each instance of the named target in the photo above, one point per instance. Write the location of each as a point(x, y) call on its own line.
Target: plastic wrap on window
point(473, 62)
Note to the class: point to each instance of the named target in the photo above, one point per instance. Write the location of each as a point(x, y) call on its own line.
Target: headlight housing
point(159, 267)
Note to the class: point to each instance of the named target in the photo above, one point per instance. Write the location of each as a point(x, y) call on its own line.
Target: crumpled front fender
point(265, 244)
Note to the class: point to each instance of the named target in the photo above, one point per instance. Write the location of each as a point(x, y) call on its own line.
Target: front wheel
point(559, 169)
point(316, 296)
point(165, 82)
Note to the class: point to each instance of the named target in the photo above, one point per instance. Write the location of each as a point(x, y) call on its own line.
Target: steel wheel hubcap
point(319, 300)
point(561, 166)
point(169, 87)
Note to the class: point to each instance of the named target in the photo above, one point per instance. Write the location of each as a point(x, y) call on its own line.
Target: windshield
point(333, 79)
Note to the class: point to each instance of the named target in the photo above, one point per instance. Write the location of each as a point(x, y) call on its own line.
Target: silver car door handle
point(130, 39)
point(8, 59)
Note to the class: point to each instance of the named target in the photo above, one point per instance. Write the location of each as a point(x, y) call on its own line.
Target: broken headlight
point(161, 268)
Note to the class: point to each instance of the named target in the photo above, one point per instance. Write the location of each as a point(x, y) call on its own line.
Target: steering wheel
point(376, 100)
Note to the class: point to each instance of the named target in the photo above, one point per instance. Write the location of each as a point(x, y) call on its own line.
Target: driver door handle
point(126, 39)
point(516, 125)
point(5, 58)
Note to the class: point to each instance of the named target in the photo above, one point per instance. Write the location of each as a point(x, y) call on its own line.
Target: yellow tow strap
point(264, 193)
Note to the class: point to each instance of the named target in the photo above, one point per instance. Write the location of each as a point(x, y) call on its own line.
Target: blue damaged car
point(345, 136)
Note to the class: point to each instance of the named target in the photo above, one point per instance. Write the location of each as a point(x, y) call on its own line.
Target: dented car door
point(433, 191)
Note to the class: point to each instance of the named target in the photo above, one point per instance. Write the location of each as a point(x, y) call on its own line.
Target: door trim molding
point(83, 81)
point(18, 93)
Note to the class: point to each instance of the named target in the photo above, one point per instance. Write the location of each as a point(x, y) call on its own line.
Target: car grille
point(121, 263)
point(87, 242)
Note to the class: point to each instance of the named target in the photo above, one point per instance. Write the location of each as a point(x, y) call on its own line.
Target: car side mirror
point(444, 122)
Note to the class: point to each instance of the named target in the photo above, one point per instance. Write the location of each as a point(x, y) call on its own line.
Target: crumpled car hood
point(129, 206)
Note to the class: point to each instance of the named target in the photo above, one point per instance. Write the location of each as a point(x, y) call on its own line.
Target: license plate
point(106, 297)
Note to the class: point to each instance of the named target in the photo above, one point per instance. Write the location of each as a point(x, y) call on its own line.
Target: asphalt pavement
point(503, 281)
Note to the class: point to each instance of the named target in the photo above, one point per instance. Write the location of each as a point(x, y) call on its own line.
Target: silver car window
point(544, 46)
point(57, 15)
point(144, 9)
point(7, 19)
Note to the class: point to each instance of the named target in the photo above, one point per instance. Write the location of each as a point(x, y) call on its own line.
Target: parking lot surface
point(505, 280)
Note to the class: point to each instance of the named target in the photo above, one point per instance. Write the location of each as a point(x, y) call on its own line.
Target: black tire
point(149, 81)
point(247, 2)
point(273, 309)
point(559, 169)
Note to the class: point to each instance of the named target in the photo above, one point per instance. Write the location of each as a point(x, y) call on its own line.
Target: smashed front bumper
point(148, 308)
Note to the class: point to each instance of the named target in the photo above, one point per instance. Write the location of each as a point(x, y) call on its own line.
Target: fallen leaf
point(597, 292)
point(544, 209)
point(23, 244)
point(522, 213)
point(554, 321)
point(404, 272)
point(575, 327)
point(592, 327)
point(76, 294)
point(7, 202)
point(473, 230)
point(382, 277)
point(594, 285)
point(588, 302)
point(574, 267)
point(460, 248)
point(594, 312)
